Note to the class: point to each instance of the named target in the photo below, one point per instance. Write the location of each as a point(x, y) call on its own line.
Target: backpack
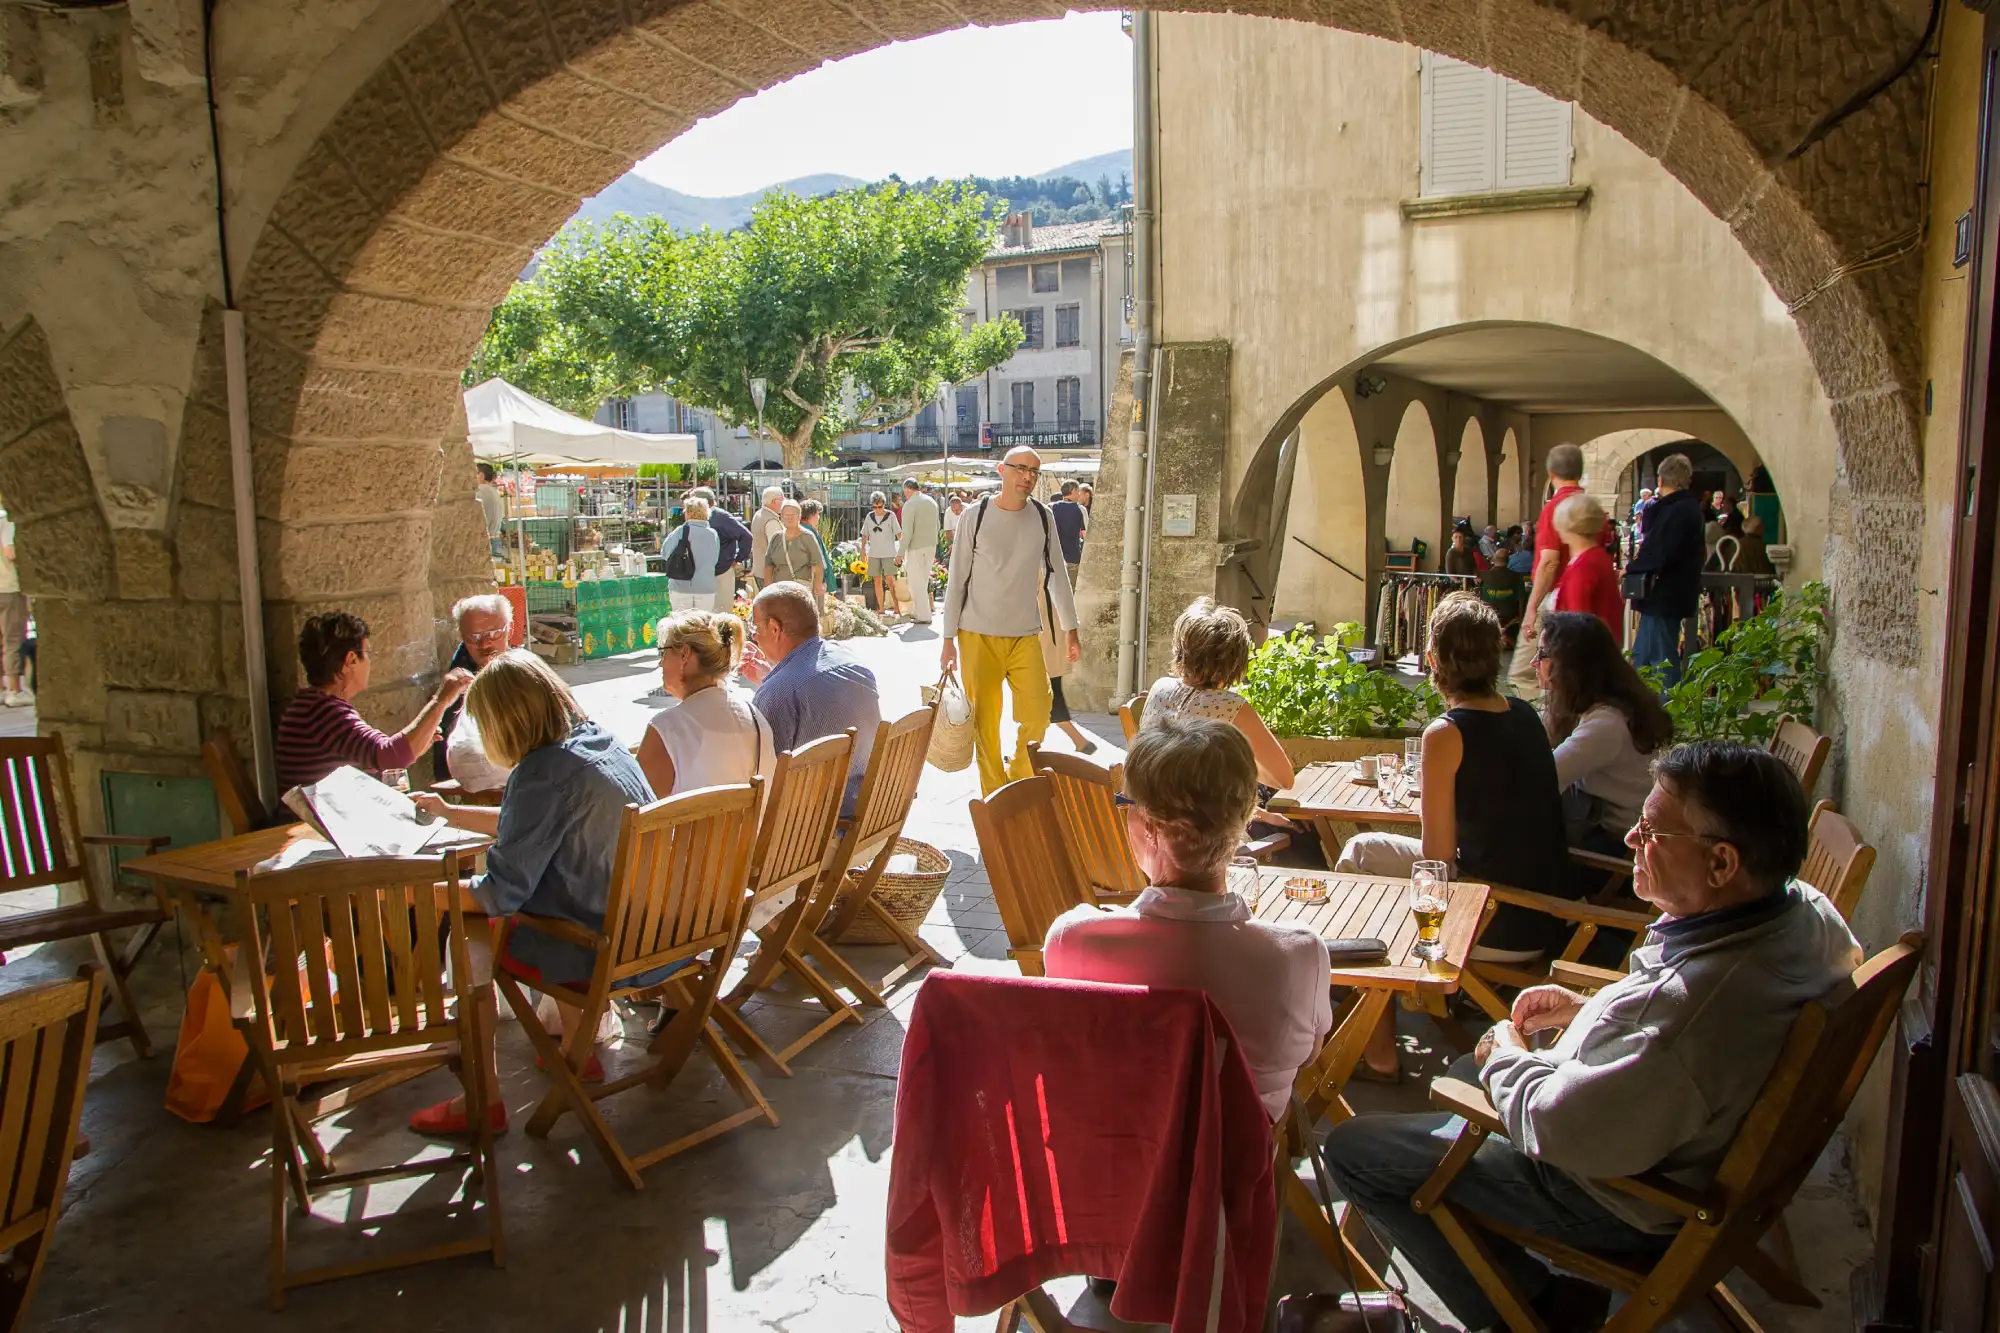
point(680, 560)
point(977, 521)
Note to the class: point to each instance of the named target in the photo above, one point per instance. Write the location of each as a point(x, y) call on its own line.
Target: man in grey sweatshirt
point(1655, 1072)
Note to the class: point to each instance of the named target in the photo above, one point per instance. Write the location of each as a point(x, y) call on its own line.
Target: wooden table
point(1329, 797)
point(1364, 907)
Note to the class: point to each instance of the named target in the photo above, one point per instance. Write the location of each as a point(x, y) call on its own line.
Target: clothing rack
point(1404, 600)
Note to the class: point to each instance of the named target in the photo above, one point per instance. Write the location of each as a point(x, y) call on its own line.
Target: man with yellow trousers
point(1006, 559)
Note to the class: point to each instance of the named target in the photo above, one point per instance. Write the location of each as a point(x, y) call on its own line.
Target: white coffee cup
point(1364, 767)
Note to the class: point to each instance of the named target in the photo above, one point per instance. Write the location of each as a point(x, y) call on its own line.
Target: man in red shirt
point(1565, 469)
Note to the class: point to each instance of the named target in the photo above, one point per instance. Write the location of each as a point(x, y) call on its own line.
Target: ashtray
point(1302, 890)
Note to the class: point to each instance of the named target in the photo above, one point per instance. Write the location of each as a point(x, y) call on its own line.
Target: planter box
point(1303, 750)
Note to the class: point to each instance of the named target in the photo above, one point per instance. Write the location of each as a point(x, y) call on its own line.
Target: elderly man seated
point(1654, 1072)
point(485, 623)
point(810, 687)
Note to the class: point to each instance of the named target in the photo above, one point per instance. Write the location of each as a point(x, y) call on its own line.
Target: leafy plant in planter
point(1302, 684)
point(1762, 668)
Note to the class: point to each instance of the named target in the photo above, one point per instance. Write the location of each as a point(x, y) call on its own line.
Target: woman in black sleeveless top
point(1491, 807)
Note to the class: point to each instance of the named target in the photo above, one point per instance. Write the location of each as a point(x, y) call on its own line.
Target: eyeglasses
point(1031, 473)
point(1648, 834)
point(486, 636)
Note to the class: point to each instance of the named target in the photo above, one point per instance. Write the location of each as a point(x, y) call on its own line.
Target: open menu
point(365, 817)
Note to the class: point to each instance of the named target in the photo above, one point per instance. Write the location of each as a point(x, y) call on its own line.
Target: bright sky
point(1009, 101)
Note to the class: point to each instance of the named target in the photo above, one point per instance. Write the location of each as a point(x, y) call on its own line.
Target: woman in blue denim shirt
point(555, 835)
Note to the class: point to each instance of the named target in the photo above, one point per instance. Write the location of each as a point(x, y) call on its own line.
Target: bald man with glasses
point(1006, 572)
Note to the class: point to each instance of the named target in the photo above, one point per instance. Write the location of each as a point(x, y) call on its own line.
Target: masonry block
point(67, 555)
point(456, 197)
point(617, 124)
point(205, 544)
point(69, 672)
point(660, 75)
point(331, 560)
point(158, 646)
point(323, 481)
point(324, 210)
point(145, 563)
point(152, 720)
point(29, 390)
point(44, 472)
point(510, 42)
point(411, 261)
point(440, 75)
point(722, 41)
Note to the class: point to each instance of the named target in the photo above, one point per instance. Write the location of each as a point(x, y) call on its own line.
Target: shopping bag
point(209, 1055)
point(951, 735)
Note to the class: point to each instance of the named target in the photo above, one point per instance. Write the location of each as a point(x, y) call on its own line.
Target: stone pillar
point(1190, 442)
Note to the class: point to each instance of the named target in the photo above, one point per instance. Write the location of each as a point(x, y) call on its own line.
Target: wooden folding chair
point(1087, 805)
point(1026, 851)
point(1132, 715)
point(360, 992)
point(676, 902)
point(793, 842)
point(1586, 918)
point(1831, 1045)
point(855, 866)
point(234, 791)
point(42, 846)
point(1801, 749)
point(1838, 862)
point(46, 1036)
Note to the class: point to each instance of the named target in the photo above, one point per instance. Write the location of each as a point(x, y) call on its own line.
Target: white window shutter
point(1460, 110)
point(1534, 138)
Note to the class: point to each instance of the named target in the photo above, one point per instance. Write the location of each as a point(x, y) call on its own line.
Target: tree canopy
point(849, 305)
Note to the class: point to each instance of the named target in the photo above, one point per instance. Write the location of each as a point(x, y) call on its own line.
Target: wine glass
point(1430, 895)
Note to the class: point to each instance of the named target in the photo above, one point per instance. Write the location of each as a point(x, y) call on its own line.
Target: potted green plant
point(1760, 669)
point(1323, 705)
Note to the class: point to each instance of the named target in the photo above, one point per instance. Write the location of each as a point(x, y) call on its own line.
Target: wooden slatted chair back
point(797, 826)
point(1801, 749)
point(677, 884)
point(358, 948)
point(38, 821)
point(234, 792)
point(889, 787)
point(1035, 879)
point(46, 1036)
point(1132, 715)
point(1086, 802)
point(1831, 1045)
point(1838, 862)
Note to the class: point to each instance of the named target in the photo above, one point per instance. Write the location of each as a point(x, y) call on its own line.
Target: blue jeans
point(1379, 1161)
point(1658, 643)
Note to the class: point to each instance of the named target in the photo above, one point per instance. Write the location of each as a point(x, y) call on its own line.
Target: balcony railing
point(1080, 434)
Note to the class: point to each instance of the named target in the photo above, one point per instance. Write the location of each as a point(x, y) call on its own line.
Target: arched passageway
point(1469, 498)
point(1411, 511)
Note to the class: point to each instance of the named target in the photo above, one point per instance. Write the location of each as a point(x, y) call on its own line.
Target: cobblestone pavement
point(167, 1224)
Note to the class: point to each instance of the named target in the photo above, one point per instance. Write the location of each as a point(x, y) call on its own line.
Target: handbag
point(1351, 1311)
point(1638, 587)
point(951, 734)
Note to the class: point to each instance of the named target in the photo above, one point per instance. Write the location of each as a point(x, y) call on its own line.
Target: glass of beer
point(1413, 761)
point(1243, 878)
point(1430, 894)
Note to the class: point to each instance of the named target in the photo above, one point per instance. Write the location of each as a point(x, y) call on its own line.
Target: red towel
point(1054, 1127)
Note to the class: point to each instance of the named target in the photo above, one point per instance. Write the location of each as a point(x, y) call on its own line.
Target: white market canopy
point(941, 465)
point(506, 424)
point(1076, 467)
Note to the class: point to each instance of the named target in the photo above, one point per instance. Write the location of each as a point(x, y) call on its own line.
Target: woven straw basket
point(950, 749)
point(907, 895)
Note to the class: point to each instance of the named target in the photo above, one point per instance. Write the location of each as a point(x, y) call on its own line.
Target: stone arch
point(411, 213)
point(1510, 482)
point(1413, 506)
point(1469, 494)
point(1322, 576)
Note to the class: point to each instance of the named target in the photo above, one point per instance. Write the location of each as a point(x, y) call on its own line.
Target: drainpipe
point(1138, 451)
point(249, 581)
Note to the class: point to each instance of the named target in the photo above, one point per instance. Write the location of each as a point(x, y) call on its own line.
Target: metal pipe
point(1138, 452)
point(249, 581)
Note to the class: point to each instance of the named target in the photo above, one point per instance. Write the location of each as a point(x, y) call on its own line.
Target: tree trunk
point(797, 449)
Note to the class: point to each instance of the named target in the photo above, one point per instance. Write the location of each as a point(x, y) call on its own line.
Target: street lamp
point(944, 439)
point(758, 387)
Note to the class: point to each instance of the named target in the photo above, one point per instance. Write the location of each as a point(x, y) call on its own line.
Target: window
point(1483, 133)
point(1069, 325)
point(968, 413)
point(1069, 402)
point(1046, 277)
point(1030, 321)
point(1024, 404)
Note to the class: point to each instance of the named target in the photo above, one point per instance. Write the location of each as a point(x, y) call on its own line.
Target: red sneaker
point(441, 1121)
point(593, 1069)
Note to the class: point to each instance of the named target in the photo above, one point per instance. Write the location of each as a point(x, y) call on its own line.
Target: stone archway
point(1412, 507)
point(409, 216)
point(1469, 496)
point(1511, 484)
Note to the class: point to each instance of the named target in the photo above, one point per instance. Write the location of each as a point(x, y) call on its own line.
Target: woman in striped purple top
point(319, 730)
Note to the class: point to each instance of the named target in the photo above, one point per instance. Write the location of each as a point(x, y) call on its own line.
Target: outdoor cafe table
point(1331, 798)
point(1372, 907)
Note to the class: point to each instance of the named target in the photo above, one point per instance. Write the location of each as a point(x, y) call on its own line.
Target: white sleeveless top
point(715, 737)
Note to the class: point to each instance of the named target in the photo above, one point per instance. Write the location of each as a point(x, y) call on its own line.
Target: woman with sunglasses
point(1606, 727)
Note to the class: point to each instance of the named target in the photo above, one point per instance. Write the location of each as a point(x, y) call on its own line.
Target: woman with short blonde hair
point(710, 735)
point(555, 836)
point(1192, 784)
point(1212, 650)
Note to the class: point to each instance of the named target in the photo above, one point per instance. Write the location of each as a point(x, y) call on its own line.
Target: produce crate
point(548, 596)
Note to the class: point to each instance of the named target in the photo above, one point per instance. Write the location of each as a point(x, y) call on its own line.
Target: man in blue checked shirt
point(810, 687)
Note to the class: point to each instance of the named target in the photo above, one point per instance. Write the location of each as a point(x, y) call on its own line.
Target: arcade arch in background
point(1507, 504)
point(1469, 498)
point(1414, 508)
